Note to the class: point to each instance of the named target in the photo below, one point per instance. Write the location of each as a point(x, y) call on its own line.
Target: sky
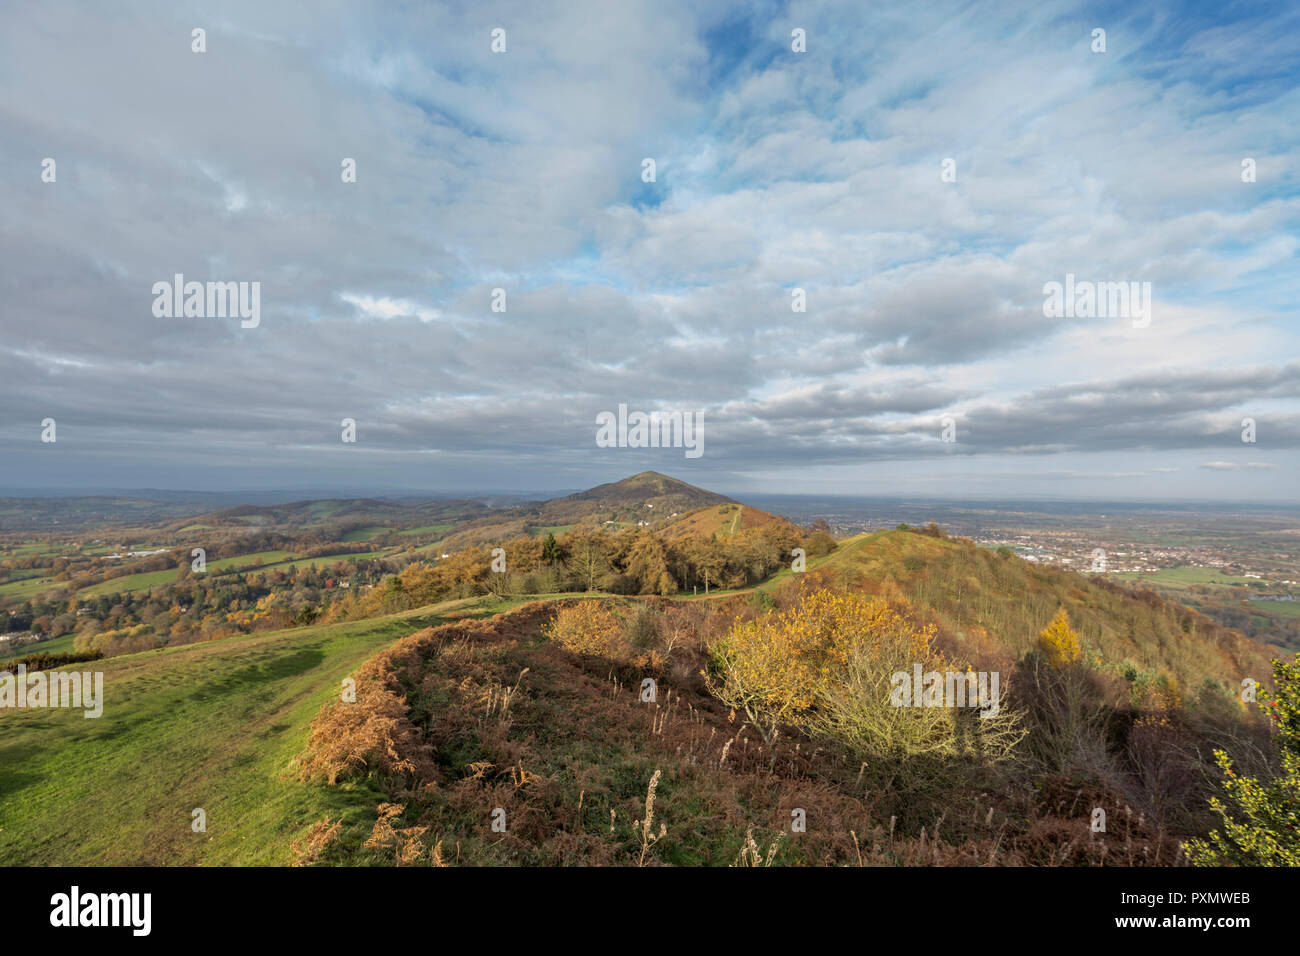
point(919, 175)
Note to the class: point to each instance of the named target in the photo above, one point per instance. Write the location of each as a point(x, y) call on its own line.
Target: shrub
point(643, 627)
point(46, 661)
point(776, 667)
point(1261, 820)
point(827, 663)
point(588, 627)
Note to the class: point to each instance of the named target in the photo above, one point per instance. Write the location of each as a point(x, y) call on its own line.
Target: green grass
point(542, 530)
point(363, 534)
point(1277, 608)
point(213, 726)
point(243, 560)
point(55, 645)
point(151, 579)
point(30, 587)
point(130, 582)
point(1178, 578)
point(320, 562)
point(26, 550)
point(428, 529)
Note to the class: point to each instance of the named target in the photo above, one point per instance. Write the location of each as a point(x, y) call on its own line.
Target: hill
point(723, 521)
point(991, 605)
point(649, 497)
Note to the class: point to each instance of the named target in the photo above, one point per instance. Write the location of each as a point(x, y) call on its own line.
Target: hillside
point(209, 725)
point(724, 521)
point(991, 605)
point(340, 512)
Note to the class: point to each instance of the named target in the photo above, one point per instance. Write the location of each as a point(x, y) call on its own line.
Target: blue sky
point(775, 170)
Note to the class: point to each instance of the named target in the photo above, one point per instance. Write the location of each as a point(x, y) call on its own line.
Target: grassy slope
point(721, 520)
point(211, 725)
point(990, 603)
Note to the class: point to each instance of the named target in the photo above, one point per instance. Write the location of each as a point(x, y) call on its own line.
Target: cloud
point(522, 171)
point(1238, 466)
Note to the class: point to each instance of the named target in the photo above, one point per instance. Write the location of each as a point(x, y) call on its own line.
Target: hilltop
point(648, 496)
point(724, 521)
point(648, 499)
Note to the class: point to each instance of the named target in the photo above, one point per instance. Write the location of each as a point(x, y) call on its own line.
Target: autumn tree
point(648, 566)
point(1058, 642)
point(588, 559)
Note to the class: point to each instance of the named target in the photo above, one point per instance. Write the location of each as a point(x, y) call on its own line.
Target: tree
point(1058, 642)
point(551, 550)
point(648, 565)
point(589, 560)
point(710, 560)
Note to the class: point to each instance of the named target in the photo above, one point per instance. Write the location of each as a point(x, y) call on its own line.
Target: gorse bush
point(1261, 819)
point(588, 627)
point(46, 661)
point(827, 664)
point(907, 748)
point(776, 668)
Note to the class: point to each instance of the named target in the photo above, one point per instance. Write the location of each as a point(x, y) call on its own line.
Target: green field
point(321, 561)
point(428, 529)
point(130, 582)
point(57, 645)
point(541, 531)
point(150, 579)
point(1177, 578)
point(1277, 608)
point(212, 726)
point(29, 587)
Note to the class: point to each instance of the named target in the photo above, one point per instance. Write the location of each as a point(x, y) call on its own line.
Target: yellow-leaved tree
point(1058, 642)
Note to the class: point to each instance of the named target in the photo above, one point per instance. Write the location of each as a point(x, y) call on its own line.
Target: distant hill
point(649, 496)
point(335, 511)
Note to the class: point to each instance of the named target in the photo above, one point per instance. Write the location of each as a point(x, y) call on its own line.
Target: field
point(142, 582)
point(1180, 578)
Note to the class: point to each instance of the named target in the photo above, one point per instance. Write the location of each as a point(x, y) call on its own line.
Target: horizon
point(273, 496)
